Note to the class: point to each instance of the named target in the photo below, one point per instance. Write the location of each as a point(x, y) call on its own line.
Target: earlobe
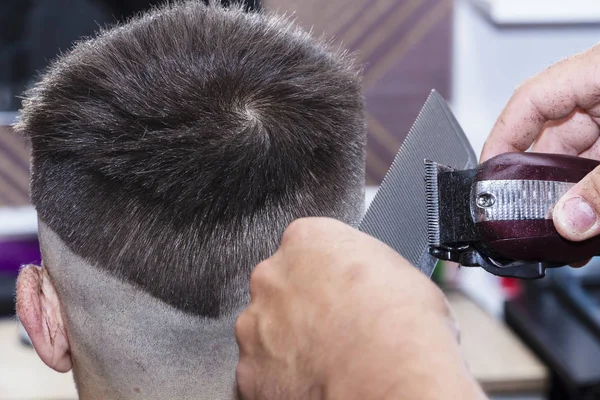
point(39, 311)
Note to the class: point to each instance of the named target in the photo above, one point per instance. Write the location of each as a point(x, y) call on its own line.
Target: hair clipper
point(499, 215)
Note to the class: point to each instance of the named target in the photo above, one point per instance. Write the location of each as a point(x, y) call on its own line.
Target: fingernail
point(577, 215)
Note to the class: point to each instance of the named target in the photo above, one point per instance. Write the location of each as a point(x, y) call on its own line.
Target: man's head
point(168, 156)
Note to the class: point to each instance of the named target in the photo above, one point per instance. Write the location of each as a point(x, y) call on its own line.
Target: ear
point(39, 311)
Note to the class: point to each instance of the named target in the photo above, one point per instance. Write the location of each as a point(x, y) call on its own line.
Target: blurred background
point(522, 341)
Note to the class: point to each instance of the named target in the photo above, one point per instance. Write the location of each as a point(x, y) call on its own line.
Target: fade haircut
point(173, 151)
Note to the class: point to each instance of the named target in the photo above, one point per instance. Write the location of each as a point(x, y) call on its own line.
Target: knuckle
point(296, 230)
point(245, 333)
point(311, 227)
point(242, 324)
point(260, 273)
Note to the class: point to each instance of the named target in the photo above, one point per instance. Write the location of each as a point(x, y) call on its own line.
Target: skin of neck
point(126, 344)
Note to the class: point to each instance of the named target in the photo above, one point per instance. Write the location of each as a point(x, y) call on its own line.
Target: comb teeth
point(432, 203)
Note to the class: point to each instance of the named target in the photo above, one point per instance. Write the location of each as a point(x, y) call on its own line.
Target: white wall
point(489, 62)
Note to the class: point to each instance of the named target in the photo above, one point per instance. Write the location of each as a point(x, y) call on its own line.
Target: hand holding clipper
point(500, 215)
point(557, 111)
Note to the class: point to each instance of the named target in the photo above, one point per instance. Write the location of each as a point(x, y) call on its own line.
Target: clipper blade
point(432, 201)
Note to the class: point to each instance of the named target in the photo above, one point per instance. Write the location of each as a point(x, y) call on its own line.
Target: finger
point(245, 375)
point(552, 95)
point(259, 278)
point(268, 279)
point(246, 331)
point(592, 152)
point(572, 135)
point(308, 242)
point(576, 213)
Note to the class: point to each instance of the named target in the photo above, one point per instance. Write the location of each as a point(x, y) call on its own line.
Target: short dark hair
point(174, 150)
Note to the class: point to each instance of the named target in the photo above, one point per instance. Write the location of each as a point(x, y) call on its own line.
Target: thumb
point(576, 213)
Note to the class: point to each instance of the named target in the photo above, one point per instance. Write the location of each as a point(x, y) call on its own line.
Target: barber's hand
point(336, 314)
point(558, 111)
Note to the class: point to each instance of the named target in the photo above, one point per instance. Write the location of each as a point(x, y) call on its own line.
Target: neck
point(210, 379)
point(125, 344)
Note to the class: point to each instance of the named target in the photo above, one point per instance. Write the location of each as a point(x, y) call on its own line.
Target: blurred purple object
point(18, 251)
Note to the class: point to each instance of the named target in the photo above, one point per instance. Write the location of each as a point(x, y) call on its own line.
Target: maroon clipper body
point(499, 215)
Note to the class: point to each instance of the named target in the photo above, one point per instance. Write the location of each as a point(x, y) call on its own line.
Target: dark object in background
point(34, 32)
point(548, 317)
point(13, 51)
point(124, 9)
point(7, 295)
